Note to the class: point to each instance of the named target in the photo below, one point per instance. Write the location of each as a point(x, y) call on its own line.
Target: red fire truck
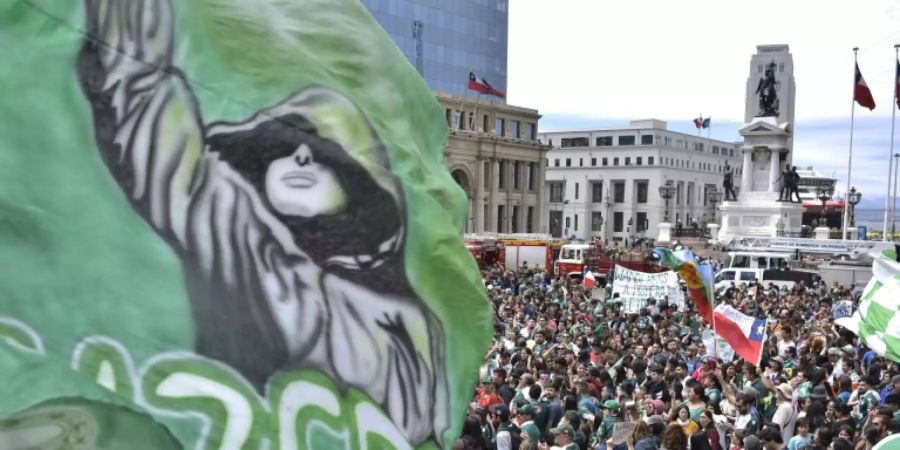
point(573, 258)
point(514, 250)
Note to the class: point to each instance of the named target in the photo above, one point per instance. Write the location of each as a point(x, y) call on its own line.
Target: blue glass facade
point(458, 37)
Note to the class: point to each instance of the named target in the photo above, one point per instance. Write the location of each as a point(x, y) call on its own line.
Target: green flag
point(877, 320)
point(226, 224)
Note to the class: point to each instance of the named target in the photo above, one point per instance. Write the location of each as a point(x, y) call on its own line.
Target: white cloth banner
point(634, 288)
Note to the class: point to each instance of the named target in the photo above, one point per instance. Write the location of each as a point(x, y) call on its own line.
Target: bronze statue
point(794, 187)
point(728, 183)
point(768, 99)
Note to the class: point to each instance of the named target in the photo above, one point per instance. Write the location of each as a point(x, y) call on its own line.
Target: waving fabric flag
point(589, 280)
point(897, 84)
point(861, 92)
point(706, 122)
point(698, 122)
point(745, 334)
point(698, 277)
point(877, 321)
point(227, 224)
point(482, 86)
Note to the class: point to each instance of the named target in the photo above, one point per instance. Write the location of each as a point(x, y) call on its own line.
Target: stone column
point(747, 171)
point(490, 223)
point(774, 169)
point(478, 204)
point(542, 223)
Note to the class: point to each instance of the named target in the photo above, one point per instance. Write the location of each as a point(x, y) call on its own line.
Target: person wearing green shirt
point(867, 399)
point(525, 417)
point(610, 409)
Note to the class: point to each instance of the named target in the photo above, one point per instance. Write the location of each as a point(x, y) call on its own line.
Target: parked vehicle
point(573, 258)
point(778, 277)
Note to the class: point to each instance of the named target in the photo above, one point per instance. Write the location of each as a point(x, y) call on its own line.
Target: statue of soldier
point(794, 186)
point(784, 192)
point(728, 183)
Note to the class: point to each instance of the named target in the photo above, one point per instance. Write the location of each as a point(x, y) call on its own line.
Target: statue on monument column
point(784, 192)
point(768, 99)
point(728, 183)
point(794, 186)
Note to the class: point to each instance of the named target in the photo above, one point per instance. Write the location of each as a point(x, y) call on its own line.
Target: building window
point(556, 192)
point(715, 149)
point(501, 174)
point(639, 160)
point(605, 162)
point(487, 174)
point(604, 141)
point(448, 114)
point(615, 161)
point(514, 228)
point(668, 141)
point(550, 142)
point(576, 222)
point(485, 120)
point(568, 162)
point(471, 122)
point(596, 221)
point(642, 222)
point(501, 219)
point(690, 193)
point(642, 191)
point(529, 131)
point(580, 162)
point(627, 160)
point(532, 174)
point(593, 162)
point(500, 126)
point(597, 192)
point(619, 192)
point(618, 221)
point(626, 140)
point(759, 68)
point(647, 139)
point(556, 162)
point(568, 223)
point(575, 142)
point(731, 152)
point(529, 220)
point(514, 128)
point(515, 174)
point(576, 191)
point(649, 160)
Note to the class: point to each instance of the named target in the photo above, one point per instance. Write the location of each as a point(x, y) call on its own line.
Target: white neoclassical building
point(494, 155)
point(605, 182)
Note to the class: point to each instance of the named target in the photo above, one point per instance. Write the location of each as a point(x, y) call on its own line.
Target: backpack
point(515, 434)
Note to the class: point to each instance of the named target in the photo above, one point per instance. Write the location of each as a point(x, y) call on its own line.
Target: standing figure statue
point(794, 186)
point(768, 98)
point(728, 183)
point(784, 191)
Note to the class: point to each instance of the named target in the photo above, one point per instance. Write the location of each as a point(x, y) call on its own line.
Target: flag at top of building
point(897, 84)
point(481, 85)
point(861, 92)
point(706, 122)
point(698, 122)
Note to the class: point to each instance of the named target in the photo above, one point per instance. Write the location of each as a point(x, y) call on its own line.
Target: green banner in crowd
point(225, 224)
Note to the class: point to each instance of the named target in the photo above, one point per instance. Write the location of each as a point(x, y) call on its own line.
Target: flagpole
point(887, 206)
point(850, 157)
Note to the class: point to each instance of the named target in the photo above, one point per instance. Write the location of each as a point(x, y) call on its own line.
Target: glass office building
point(447, 39)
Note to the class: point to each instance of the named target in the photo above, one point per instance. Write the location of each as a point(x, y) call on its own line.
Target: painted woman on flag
point(290, 225)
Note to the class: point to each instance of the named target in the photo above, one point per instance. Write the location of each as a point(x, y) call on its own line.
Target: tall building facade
point(494, 155)
point(447, 39)
point(604, 183)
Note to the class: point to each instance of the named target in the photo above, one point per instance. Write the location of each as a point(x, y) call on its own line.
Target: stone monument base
point(665, 232)
point(756, 214)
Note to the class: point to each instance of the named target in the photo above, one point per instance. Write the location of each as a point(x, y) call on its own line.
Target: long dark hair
point(700, 441)
point(372, 216)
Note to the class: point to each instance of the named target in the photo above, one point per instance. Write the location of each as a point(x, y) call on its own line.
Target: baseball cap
point(564, 429)
point(526, 409)
point(610, 404)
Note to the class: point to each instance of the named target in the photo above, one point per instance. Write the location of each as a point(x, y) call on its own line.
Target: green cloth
point(152, 276)
point(878, 308)
point(606, 427)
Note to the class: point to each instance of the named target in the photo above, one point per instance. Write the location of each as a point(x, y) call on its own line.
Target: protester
point(570, 367)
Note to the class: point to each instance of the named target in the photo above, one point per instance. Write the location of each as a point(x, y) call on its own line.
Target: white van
point(759, 260)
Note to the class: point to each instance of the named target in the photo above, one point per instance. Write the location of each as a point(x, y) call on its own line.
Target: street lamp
point(824, 191)
point(853, 199)
point(712, 197)
point(667, 191)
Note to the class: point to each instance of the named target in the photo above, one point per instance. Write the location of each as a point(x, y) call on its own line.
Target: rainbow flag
point(699, 278)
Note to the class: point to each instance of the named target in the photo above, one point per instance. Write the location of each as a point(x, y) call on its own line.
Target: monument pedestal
point(665, 232)
point(757, 211)
point(822, 233)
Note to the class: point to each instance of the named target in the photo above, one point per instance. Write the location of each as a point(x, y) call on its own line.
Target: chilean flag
point(482, 86)
point(897, 83)
point(589, 281)
point(861, 92)
point(745, 334)
point(698, 122)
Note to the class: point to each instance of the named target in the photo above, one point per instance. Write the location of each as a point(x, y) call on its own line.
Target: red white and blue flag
point(861, 92)
point(745, 334)
point(897, 84)
point(698, 122)
point(589, 281)
point(481, 85)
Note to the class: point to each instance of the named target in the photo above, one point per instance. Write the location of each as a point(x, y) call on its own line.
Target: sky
point(594, 63)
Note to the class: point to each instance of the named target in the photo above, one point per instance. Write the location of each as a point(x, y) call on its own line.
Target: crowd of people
point(569, 369)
